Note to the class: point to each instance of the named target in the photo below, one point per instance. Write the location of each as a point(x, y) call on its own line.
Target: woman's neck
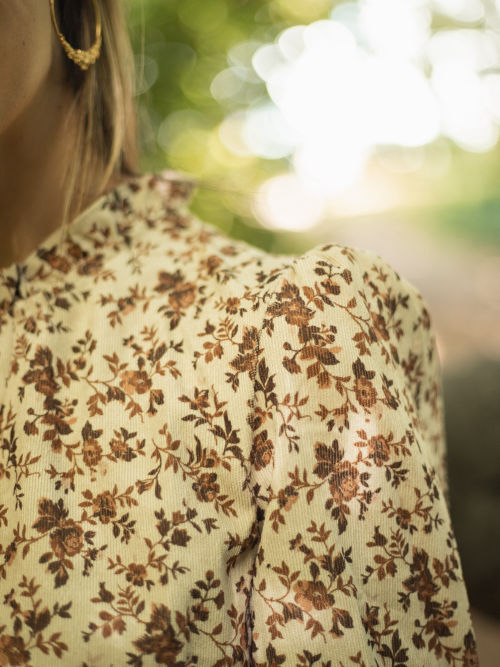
point(35, 154)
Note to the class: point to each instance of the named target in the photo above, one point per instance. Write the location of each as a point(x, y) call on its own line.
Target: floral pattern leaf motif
point(213, 455)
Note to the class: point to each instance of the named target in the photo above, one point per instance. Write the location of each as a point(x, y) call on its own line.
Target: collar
point(102, 223)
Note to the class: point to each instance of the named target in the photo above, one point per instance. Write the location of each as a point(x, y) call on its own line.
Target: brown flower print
point(121, 450)
point(421, 581)
point(92, 452)
point(378, 449)
point(136, 574)
point(224, 456)
point(104, 507)
point(57, 262)
point(403, 518)
point(232, 305)
point(343, 475)
point(168, 280)
point(344, 482)
point(183, 296)
point(262, 451)
point(42, 372)
point(247, 351)
point(287, 497)
point(291, 305)
point(379, 325)
point(12, 651)
point(135, 382)
point(212, 263)
point(67, 539)
point(312, 594)
point(160, 638)
point(206, 487)
point(366, 394)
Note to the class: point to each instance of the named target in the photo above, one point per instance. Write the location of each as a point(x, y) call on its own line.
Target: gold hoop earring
point(84, 59)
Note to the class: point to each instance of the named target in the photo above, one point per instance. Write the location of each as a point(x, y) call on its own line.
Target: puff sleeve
point(357, 563)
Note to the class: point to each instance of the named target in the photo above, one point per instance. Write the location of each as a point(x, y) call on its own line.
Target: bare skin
point(35, 149)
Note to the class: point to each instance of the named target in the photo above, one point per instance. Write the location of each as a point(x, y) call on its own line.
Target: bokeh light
point(341, 95)
point(285, 202)
point(372, 75)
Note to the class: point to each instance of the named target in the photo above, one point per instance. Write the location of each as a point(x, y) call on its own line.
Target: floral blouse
point(213, 455)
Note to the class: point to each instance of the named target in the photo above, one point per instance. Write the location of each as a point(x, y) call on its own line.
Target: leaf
point(292, 612)
point(217, 630)
point(313, 369)
point(308, 291)
point(314, 570)
point(105, 615)
point(325, 356)
point(324, 380)
point(291, 365)
point(308, 352)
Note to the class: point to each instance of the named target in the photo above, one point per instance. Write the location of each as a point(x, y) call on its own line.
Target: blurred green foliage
point(186, 44)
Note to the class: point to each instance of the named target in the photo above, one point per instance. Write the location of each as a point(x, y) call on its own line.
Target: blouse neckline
point(138, 193)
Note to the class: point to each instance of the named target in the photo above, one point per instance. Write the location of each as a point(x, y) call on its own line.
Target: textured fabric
point(214, 455)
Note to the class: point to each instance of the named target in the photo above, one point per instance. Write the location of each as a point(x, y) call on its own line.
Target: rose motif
point(378, 449)
point(125, 305)
point(403, 517)
point(296, 312)
point(165, 646)
point(13, 651)
point(162, 643)
point(59, 263)
point(380, 327)
point(66, 540)
point(344, 482)
point(309, 594)
point(136, 574)
point(135, 382)
point(232, 305)
point(91, 452)
point(183, 296)
point(287, 497)
point(247, 349)
point(421, 581)
point(104, 506)
point(262, 451)
point(30, 325)
point(206, 487)
point(366, 394)
point(212, 263)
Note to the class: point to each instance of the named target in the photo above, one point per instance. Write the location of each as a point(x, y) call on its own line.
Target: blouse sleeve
point(357, 562)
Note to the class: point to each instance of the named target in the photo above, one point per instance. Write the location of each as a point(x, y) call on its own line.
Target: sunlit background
point(372, 123)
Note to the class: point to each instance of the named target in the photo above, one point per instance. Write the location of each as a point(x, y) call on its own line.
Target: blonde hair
point(104, 110)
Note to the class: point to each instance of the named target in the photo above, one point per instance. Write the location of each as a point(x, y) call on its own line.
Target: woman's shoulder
point(168, 195)
point(325, 277)
point(144, 233)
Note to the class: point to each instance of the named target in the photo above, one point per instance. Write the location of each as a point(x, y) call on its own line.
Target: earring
point(82, 58)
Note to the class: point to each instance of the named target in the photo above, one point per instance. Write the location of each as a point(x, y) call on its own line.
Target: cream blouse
point(213, 455)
